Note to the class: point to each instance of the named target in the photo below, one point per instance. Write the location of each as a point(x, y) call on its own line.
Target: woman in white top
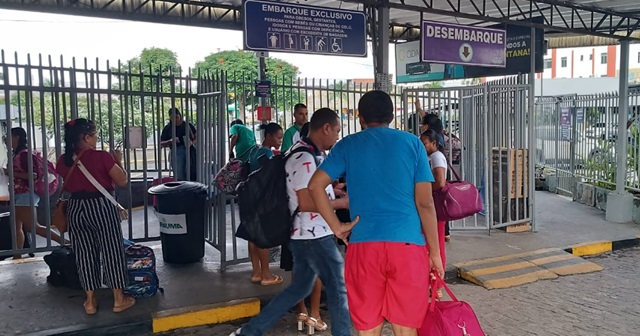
point(438, 164)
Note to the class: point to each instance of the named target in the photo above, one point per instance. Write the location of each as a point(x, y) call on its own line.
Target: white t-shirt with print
point(306, 225)
point(438, 160)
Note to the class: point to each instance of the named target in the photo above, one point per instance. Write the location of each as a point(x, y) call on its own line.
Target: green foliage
point(50, 111)
point(50, 108)
point(154, 63)
point(241, 69)
point(601, 166)
point(433, 85)
point(154, 70)
point(592, 115)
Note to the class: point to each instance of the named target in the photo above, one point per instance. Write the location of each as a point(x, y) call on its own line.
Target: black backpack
point(264, 203)
point(64, 272)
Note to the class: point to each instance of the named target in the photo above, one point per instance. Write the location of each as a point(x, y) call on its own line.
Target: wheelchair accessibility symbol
point(336, 45)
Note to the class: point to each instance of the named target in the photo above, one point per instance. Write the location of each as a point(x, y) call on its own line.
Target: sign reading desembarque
point(458, 44)
point(293, 28)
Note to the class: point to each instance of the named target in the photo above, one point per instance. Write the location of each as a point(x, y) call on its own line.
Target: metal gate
point(221, 212)
point(487, 141)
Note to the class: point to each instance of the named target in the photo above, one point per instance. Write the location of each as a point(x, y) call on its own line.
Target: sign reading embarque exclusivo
point(284, 27)
point(458, 44)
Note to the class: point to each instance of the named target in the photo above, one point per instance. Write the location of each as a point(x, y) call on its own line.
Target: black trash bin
point(181, 210)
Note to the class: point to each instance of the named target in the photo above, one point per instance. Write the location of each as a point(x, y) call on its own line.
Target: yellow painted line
point(500, 269)
point(469, 277)
point(551, 259)
point(203, 315)
point(504, 258)
point(519, 280)
point(592, 248)
point(138, 208)
point(586, 267)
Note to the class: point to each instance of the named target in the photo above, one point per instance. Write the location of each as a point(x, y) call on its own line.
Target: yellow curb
point(138, 208)
point(593, 248)
point(505, 258)
point(552, 259)
point(206, 314)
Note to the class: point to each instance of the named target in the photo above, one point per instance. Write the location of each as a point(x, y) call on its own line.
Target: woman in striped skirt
point(94, 222)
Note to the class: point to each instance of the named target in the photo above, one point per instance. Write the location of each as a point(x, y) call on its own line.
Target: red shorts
point(387, 281)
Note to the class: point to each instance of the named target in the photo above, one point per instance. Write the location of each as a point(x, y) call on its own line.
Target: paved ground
point(604, 303)
point(24, 292)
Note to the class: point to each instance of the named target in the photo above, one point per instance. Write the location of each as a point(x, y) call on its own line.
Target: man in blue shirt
point(387, 265)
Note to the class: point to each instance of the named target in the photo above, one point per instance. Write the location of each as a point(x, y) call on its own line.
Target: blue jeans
point(179, 163)
point(311, 258)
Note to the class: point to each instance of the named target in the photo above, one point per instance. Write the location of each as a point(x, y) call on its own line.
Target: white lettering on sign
point(172, 224)
point(306, 12)
point(286, 10)
point(467, 35)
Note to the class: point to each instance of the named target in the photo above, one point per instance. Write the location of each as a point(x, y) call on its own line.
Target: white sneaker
point(236, 333)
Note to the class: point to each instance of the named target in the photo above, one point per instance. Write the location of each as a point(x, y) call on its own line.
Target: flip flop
point(129, 302)
point(276, 281)
point(256, 280)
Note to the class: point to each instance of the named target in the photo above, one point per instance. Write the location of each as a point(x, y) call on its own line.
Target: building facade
point(590, 62)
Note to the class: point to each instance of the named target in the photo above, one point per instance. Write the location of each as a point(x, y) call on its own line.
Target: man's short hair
point(174, 111)
point(299, 106)
point(237, 122)
point(321, 117)
point(376, 107)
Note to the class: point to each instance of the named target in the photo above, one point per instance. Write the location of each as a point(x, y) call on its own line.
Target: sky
point(77, 36)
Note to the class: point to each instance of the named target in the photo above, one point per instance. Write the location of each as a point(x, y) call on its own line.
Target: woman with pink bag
point(438, 164)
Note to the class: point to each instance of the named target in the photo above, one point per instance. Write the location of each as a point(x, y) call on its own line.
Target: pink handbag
point(449, 318)
point(457, 199)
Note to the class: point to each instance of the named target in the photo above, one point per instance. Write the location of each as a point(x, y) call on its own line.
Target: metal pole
point(262, 76)
point(382, 52)
point(531, 129)
point(621, 150)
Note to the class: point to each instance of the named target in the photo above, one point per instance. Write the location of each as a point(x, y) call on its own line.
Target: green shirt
point(254, 157)
point(287, 140)
point(246, 139)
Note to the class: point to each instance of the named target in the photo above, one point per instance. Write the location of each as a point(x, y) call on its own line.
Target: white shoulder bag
point(124, 213)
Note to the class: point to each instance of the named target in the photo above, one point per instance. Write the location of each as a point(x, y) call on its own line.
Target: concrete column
point(383, 81)
point(620, 202)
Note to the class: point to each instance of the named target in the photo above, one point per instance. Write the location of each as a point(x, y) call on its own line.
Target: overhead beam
point(558, 16)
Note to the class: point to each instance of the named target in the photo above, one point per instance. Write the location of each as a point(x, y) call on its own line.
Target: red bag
point(449, 318)
point(456, 200)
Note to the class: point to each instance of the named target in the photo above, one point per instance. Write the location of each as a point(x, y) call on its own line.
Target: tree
point(241, 69)
point(56, 113)
point(158, 68)
point(153, 62)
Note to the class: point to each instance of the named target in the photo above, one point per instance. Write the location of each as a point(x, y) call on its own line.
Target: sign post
point(284, 27)
point(458, 44)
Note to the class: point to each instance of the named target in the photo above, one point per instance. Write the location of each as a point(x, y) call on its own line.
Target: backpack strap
point(248, 150)
point(297, 150)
